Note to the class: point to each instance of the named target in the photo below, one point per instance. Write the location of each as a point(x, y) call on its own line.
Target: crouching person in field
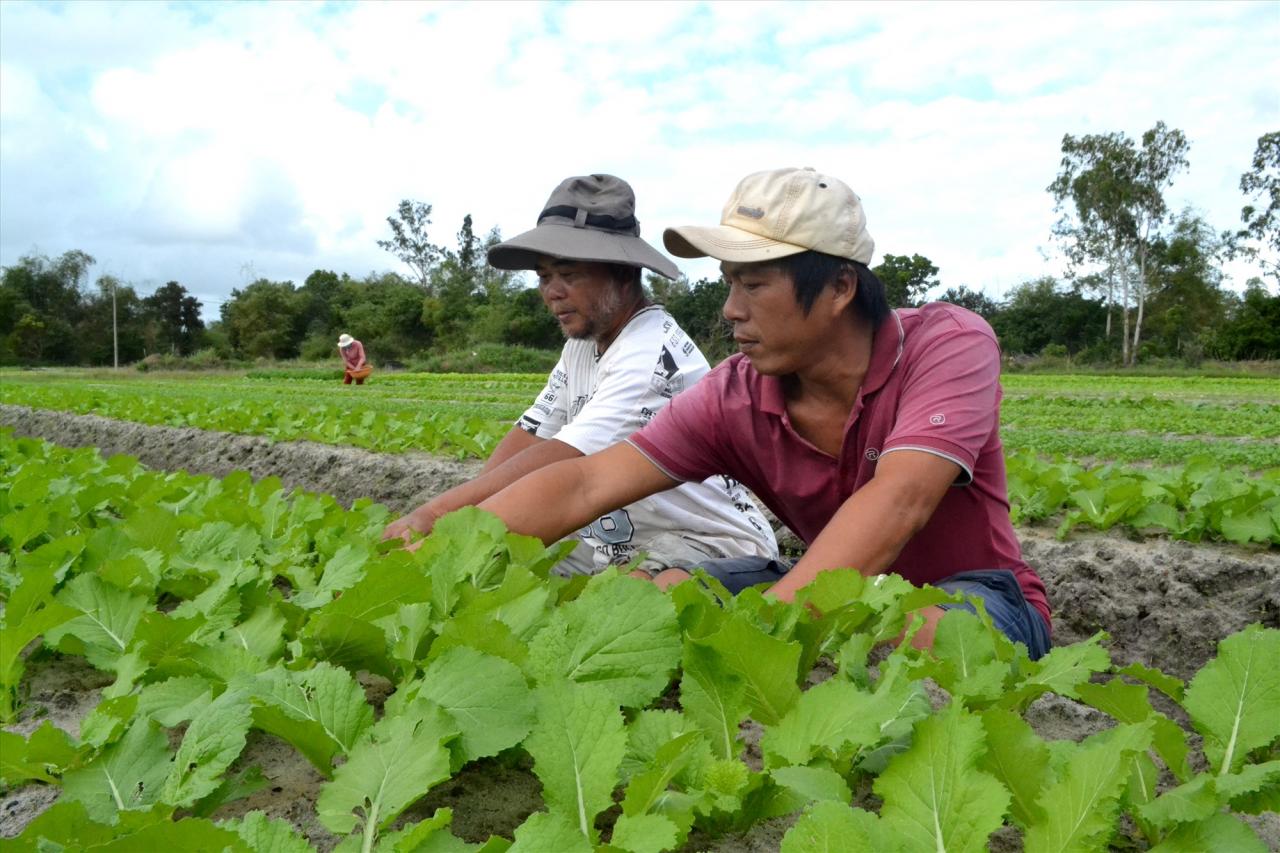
point(623, 362)
point(873, 434)
point(355, 366)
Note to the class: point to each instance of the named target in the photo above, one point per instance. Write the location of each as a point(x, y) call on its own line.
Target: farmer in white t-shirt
point(623, 361)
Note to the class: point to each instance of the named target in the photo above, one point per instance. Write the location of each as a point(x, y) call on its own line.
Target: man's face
point(582, 295)
point(769, 324)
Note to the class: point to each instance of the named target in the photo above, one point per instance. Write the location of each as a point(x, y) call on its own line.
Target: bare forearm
point(514, 442)
point(873, 526)
point(561, 498)
point(495, 479)
point(549, 504)
point(865, 534)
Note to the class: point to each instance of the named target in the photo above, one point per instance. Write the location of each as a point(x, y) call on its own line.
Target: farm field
point(239, 658)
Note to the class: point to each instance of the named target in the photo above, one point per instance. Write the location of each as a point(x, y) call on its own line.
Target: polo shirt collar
point(886, 352)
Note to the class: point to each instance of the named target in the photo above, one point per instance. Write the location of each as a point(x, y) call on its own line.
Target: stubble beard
point(602, 315)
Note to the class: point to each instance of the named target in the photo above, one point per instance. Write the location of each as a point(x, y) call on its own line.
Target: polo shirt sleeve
point(949, 400)
point(550, 410)
point(627, 395)
point(682, 440)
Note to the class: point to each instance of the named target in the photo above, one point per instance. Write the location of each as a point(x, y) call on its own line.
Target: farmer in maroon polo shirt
point(873, 434)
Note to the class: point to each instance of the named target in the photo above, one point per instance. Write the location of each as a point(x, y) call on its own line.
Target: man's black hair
point(626, 275)
point(812, 271)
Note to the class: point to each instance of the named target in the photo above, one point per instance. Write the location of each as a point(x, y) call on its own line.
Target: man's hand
point(421, 520)
point(664, 579)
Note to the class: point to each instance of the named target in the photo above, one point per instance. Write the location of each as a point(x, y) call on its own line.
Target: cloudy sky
point(213, 143)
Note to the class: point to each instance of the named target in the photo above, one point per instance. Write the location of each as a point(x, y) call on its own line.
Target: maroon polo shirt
point(933, 385)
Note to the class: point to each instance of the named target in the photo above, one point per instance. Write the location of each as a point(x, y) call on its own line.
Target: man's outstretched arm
point(517, 454)
point(554, 501)
point(871, 528)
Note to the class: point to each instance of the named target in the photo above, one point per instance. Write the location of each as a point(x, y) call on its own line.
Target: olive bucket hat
point(587, 218)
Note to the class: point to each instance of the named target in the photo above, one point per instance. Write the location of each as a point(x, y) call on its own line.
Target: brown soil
point(1164, 603)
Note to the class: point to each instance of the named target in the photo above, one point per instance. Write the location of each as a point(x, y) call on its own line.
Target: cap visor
point(578, 244)
point(725, 243)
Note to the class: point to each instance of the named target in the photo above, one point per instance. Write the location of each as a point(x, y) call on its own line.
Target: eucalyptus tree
point(1262, 218)
point(409, 241)
point(1110, 193)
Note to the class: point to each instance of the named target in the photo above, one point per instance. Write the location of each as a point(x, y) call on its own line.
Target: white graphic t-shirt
point(591, 403)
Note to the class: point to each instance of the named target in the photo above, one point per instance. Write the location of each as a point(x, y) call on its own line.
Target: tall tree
point(1262, 218)
point(979, 303)
point(176, 315)
point(1117, 191)
point(1186, 297)
point(906, 279)
point(409, 240)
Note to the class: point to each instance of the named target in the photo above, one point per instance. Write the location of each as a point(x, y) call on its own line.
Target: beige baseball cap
point(779, 213)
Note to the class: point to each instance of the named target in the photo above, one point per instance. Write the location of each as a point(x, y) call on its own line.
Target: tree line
point(1140, 282)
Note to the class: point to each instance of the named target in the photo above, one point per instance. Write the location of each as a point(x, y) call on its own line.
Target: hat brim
point(578, 244)
point(725, 243)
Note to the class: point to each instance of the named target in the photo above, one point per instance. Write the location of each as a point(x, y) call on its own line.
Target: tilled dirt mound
point(401, 481)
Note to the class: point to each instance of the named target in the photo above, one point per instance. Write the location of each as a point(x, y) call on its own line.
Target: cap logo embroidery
point(938, 420)
point(872, 454)
point(753, 212)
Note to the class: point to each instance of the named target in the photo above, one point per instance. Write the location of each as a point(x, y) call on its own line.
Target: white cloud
point(186, 142)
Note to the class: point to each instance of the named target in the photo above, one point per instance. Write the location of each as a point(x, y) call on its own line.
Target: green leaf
point(1234, 700)
point(620, 634)
point(1166, 684)
point(1019, 759)
point(577, 744)
point(1219, 832)
point(1254, 789)
point(340, 572)
point(1195, 800)
point(108, 618)
point(430, 836)
point(186, 834)
point(935, 797)
point(214, 739)
point(321, 711)
point(42, 756)
point(1128, 703)
point(545, 832)
point(486, 696)
point(399, 759)
point(837, 720)
point(1080, 807)
point(175, 700)
point(713, 697)
point(129, 774)
point(766, 665)
point(829, 827)
point(261, 635)
point(648, 786)
point(384, 589)
point(813, 783)
point(1059, 672)
point(648, 833)
point(267, 835)
point(965, 662)
point(349, 643)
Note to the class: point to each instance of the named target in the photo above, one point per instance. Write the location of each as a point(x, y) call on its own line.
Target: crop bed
point(1167, 604)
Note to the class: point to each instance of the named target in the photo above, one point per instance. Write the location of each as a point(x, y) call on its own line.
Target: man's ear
point(844, 288)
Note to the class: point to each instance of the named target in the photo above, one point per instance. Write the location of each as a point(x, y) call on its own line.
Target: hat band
point(595, 220)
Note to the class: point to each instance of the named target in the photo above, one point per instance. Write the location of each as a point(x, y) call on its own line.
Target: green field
point(1192, 457)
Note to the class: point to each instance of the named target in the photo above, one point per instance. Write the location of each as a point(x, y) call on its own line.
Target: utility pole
point(115, 341)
